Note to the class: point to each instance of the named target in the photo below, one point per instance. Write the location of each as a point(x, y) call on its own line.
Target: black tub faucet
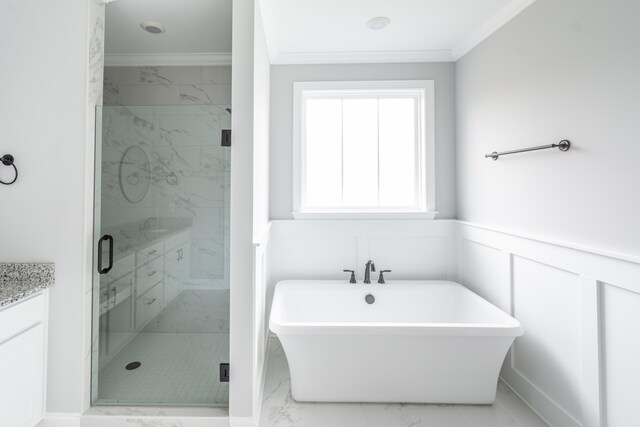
point(381, 278)
point(353, 276)
point(368, 268)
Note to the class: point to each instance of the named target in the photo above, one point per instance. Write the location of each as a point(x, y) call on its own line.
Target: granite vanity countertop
point(20, 280)
point(128, 239)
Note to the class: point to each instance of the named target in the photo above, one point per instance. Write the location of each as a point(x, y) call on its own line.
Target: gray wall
point(561, 69)
point(282, 78)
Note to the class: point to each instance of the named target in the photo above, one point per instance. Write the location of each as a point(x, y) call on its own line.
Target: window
point(364, 149)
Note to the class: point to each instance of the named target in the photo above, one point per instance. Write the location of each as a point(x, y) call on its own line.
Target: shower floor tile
point(177, 368)
point(280, 410)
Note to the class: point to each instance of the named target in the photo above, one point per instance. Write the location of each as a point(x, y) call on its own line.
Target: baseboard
point(244, 422)
point(529, 405)
point(94, 419)
point(60, 419)
point(263, 378)
point(545, 407)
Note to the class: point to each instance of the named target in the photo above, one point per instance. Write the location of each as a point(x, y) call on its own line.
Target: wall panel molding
point(592, 389)
point(596, 272)
point(320, 249)
point(534, 279)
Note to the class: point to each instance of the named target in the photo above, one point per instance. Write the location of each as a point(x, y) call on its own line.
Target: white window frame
point(424, 90)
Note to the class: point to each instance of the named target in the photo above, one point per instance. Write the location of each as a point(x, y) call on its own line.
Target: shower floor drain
point(133, 365)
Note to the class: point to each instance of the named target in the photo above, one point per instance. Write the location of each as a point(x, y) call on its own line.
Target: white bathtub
point(420, 341)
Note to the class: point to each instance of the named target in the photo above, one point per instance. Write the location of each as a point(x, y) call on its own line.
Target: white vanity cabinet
point(176, 265)
point(22, 361)
point(149, 283)
point(116, 308)
point(138, 287)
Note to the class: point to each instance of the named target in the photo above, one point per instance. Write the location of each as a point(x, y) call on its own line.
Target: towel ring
point(7, 160)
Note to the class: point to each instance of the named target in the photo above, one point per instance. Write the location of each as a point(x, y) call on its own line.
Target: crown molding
point(177, 59)
point(510, 11)
point(362, 57)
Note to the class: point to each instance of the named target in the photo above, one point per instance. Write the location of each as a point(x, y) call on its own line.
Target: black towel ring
point(7, 160)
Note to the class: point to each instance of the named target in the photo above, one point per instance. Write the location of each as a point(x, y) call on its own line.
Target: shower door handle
point(108, 268)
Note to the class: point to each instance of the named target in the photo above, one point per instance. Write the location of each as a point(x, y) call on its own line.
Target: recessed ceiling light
point(378, 23)
point(152, 27)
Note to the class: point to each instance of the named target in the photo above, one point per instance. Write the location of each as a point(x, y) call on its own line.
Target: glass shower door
point(161, 265)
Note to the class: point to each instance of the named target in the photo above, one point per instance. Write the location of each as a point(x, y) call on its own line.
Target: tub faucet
point(368, 268)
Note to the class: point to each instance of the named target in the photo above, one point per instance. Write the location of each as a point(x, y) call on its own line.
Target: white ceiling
point(304, 31)
point(198, 32)
point(334, 31)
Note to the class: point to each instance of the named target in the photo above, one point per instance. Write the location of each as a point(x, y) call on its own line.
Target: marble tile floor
point(179, 367)
point(280, 410)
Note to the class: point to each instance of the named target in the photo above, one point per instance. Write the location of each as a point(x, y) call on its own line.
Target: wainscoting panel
point(546, 300)
point(321, 249)
point(478, 273)
point(316, 257)
point(409, 257)
point(577, 363)
point(621, 326)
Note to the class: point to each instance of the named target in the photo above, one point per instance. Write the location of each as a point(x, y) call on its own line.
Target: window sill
point(364, 215)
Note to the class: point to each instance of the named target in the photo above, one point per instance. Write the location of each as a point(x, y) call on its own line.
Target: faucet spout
point(368, 268)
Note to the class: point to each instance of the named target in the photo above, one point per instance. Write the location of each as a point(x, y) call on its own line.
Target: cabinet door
point(22, 378)
point(116, 330)
point(148, 306)
point(176, 271)
point(148, 276)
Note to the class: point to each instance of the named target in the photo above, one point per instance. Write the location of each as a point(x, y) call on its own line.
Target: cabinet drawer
point(122, 267)
point(149, 275)
point(21, 316)
point(148, 305)
point(149, 253)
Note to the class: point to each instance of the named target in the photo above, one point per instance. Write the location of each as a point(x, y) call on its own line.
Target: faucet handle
point(381, 278)
point(353, 275)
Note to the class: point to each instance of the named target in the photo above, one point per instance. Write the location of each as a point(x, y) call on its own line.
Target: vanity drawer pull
point(153, 252)
point(151, 301)
point(152, 273)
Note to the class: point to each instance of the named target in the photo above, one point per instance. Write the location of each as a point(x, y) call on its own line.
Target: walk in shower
point(161, 265)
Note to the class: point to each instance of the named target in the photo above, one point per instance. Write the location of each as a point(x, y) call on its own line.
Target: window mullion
point(378, 145)
point(342, 153)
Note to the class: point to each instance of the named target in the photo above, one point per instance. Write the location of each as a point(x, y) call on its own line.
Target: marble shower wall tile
point(199, 130)
point(188, 192)
point(164, 111)
point(95, 89)
point(167, 85)
point(207, 259)
point(205, 94)
point(194, 311)
point(147, 95)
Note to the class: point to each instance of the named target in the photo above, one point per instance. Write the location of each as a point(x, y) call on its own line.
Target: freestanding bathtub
point(417, 342)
